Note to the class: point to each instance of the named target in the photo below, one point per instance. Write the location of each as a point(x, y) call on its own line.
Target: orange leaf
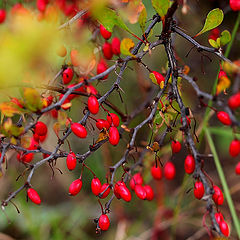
point(9, 109)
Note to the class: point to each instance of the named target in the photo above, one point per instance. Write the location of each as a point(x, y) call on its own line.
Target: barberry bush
point(119, 118)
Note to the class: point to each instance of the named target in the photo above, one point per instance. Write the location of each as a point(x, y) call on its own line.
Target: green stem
point(223, 182)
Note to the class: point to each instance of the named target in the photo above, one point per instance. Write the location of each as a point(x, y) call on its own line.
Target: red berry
point(105, 33)
point(67, 75)
point(71, 161)
point(156, 172)
point(169, 171)
point(159, 77)
point(79, 130)
point(107, 50)
point(149, 192)
point(219, 217)
point(136, 180)
point(116, 46)
point(140, 192)
point(2, 15)
point(116, 189)
point(101, 123)
point(198, 190)
point(224, 118)
point(114, 136)
point(96, 186)
point(237, 169)
point(224, 228)
point(218, 195)
point(75, 187)
point(113, 118)
point(104, 222)
point(102, 67)
point(105, 194)
point(33, 196)
point(235, 5)
point(124, 193)
point(41, 5)
point(234, 101)
point(25, 158)
point(93, 105)
point(234, 148)
point(40, 128)
point(189, 164)
point(176, 146)
point(214, 34)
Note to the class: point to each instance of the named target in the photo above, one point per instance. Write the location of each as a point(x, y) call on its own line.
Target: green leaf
point(161, 6)
point(214, 19)
point(153, 78)
point(32, 99)
point(110, 18)
point(142, 19)
point(213, 43)
point(225, 37)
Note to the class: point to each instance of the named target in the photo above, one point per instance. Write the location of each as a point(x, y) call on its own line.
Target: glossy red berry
point(136, 180)
point(67, 75)
point(33, 196)
point(224, 228)
point(102, 123)
point(198, 190)
point(176, 146)
point(140, 192)
point(71, 161)
point(114, 136)
point(113, 119)
point(41, 5)
point(218, 195)
point(234, 101)
point(105, 33)
point(169, 171)
point(40, 128)
point(2, 15)
point(218, 217)
point(25, 158)
point(105, 194)
point(234, 148)
point(237, 169)
point(104, 222)
point(96, 186)
point(224, 118)
point(235, 5)
point(75, 187)
point(116, 46)
point(149, 192)
point(156, 172)
point(189, 164)
point(159, 77)
point(79, 130)
point(124, 193)
point(102, 67)
point(93, 105)
point(107, 50)
point(116, 189)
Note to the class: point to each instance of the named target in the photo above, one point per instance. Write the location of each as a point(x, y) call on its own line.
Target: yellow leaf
point(223, 83)
point(126, 46)
point(9, 109)
point(62, 118)
point(102, 135)
point(56, 128)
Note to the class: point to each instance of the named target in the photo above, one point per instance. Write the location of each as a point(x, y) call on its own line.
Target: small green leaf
point(142, 19)
point(153, 78)
point(214, 19)
point(161, 6)
point(225, 37)
point(110, 18)
point(32, 99)
point(213, 43)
